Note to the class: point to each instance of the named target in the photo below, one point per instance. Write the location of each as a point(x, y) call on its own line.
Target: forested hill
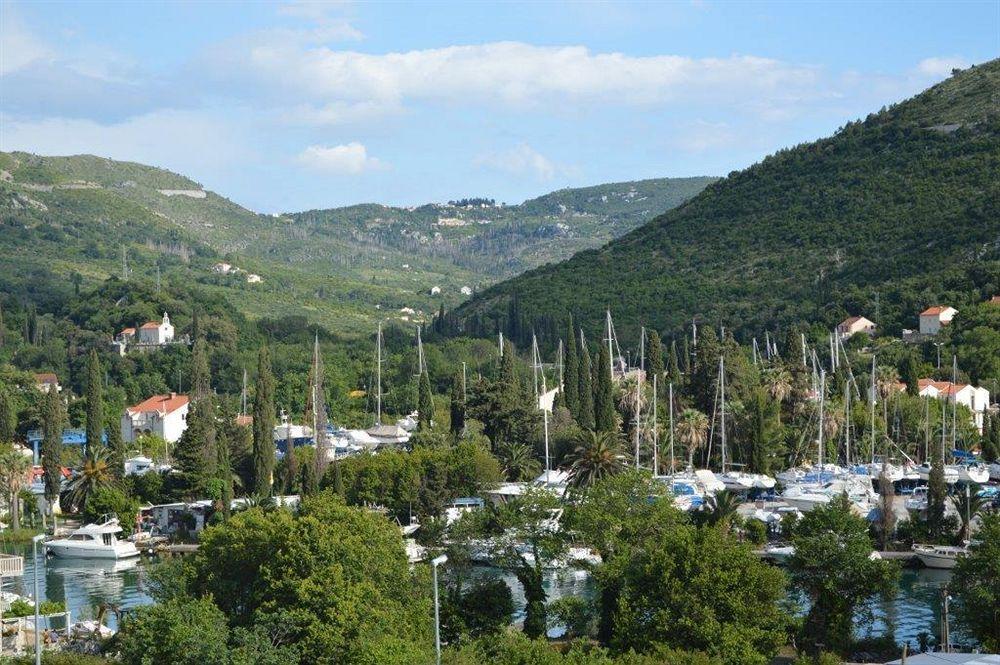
point(893, 213)
point(343, 268)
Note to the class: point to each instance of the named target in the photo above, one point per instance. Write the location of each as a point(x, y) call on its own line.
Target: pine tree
point(604, 401)
point(654, 353)
point(263, 425)
point(571, 373)
point(8, 418)
point(585, 388)
point(425, 403)
point(457, 405)
point(95, 407)
point(53, 420)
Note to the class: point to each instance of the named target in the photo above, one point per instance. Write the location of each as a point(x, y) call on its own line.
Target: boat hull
point(76, 551)
point(938, 557)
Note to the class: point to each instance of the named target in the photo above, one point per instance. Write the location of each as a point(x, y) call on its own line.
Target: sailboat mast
point(671, 413)
point(954, 401)
point(847, 423)
point(420, 353)
point(243, 397)
point(548, 465)
point(822, 398)
point(656, 437)
point(638, 409)
point(642, 348)
point(871, 399)
point(722, 413)
point(611, 354)
point(535, 362)
point(378, 374)
point(465, 398)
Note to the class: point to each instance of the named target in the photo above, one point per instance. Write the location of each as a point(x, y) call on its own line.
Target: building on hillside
point(975, 399)
point(156, 333)
point(222, 268)
point(932, 318)
point(254, 279)
point(853, 325)
point(47, 381)
point(164, 416)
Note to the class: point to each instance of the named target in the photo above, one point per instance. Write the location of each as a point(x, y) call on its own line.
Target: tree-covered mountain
point(85, 218)
point(893, 213)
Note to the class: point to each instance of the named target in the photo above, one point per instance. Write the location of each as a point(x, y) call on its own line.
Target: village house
point(222, 268)
point(156, 333)
point(853, 325)
point(975, 399)
point(932, 318)
point(47, 381)
point(161, 415)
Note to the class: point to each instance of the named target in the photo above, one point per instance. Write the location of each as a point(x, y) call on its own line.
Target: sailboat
point(382, 433)
point(735, 480)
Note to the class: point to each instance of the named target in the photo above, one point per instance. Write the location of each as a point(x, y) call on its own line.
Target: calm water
point(85, 584)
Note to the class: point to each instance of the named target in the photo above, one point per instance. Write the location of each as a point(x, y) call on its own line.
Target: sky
point(286, 106)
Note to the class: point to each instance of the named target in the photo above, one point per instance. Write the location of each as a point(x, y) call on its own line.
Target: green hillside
point(893, 213)
point(344, 268)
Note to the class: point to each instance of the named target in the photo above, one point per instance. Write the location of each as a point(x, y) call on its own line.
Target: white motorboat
point(939, 556)
point(779, 552)
point(807, 496)
point(808, 473)
point(951, 474)
point(974, 472)
point(741, 481)
point(917, 500)
point(94, 541)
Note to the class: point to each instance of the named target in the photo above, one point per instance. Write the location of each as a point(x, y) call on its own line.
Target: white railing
point(11, 565)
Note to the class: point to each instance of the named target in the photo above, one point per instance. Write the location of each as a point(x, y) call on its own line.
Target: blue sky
point(297, 105)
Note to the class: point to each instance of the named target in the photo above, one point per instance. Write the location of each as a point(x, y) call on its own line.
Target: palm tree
point(692, 431)
point(968, 508)
point(628, 397)
point(518, 460)
point(597, 455)
point(14, 467)
point(779, 383)
point(96, 474)
point(886, 381)
point(722, 507)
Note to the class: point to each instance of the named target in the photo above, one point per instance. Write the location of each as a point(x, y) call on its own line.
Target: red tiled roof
point(46, 377)
point(946, 387)
point(162, 404)
point(127, 331)
point(244, 421)
point(149, 324)
point(933, 311)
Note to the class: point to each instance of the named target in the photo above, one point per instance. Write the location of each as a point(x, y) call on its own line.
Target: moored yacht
point(94, 541)
point(939, 556)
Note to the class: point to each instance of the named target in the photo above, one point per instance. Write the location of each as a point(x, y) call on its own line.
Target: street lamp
point(437, 611)
point(34, 551)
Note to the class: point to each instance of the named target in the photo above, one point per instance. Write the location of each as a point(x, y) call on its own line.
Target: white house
point(222, 268)
point(975, 399)
point(853, 325)
point(254, 279)
point(932, 318)
point(47, 381)
point(156, 333)
point(162, 415)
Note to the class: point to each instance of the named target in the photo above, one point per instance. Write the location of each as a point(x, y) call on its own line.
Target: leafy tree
point(571, 372)
point(111, 500)
point(596, 456)
point(425, 403)
point(699, 589)
point(305, 572)
point(263, 426)
point(186, 632)
point(832, 565)
point(604, 400)
point(457, 405)
point(52, 430)
point(95, 405)
point(585, 388)
point(976, 584)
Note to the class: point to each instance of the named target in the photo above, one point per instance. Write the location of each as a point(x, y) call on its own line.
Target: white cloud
point(511, 73)
point(521, 160)
point(351, 159)
point(18, 45)
point(941, 67)
point(701, 136)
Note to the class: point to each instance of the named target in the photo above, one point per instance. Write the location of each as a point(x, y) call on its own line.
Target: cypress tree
point(425, 403)
point(200, 371)
point(53, 420)
point(116, 446)
point(263, 425)
point(991, 438)
point(704, 374)
point(673, 368)
point(457, 405)
point(604, 401)
point(909, 374)
point(95, 407)
point(654, 353)
point(571, 373)
point(585, 388)
point(338, 480)
point(8, 418)
point(937, 490)
point(196, 453)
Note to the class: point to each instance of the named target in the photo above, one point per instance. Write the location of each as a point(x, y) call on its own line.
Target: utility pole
point(465, 398)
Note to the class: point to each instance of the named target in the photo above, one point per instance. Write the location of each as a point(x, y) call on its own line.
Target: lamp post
point(437, 611)
point(34, 551)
